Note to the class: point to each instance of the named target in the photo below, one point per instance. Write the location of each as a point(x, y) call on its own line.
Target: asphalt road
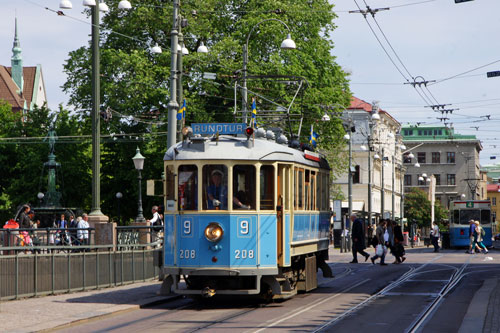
point(430, 292)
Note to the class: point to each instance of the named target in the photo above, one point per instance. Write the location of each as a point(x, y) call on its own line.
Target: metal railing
point(38, 270)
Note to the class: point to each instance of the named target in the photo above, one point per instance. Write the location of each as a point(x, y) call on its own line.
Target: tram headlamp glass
point(214, 232)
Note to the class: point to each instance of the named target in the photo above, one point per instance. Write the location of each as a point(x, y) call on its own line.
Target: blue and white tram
point(461, 212)
point(244, 216)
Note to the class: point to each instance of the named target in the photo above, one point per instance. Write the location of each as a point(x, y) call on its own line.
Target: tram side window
point(325, 190)
point(318, 192)
point(485, 216)
point(244, 187)
point(307, 190)
point(313, 191)
point(215, 187)
point(267, 187)
point(188, 187)
point(170, 187)
point(299, 188)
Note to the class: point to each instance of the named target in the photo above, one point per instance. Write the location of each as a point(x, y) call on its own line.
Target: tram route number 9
point(187, 254)
point(243, 254)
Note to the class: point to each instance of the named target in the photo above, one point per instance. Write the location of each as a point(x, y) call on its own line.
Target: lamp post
point(119, 195)
point(172, 104)
point(287, 44)
point(95, 214)
point(374, 117)
point(139, 164)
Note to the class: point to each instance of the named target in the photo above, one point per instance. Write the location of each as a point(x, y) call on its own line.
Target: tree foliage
point(417, 208)
point(135, 82)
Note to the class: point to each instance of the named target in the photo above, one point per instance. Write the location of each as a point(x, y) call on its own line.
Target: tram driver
point(217, 193)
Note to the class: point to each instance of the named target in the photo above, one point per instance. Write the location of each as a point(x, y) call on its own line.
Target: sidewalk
point(48, 312)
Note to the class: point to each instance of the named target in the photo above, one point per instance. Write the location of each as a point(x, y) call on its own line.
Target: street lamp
point(287, 44)
point(139, 164)
point(40, 196)
point(95, 213)
point(119, 195)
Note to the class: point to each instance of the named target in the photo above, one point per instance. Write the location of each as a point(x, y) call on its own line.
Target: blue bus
point(461, 212)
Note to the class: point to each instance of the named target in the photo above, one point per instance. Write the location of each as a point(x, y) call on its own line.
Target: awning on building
point(357, 206)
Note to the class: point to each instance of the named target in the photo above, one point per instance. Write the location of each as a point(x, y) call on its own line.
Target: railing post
point(17, 274)
point(36, 274)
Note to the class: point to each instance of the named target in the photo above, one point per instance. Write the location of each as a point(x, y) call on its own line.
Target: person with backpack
point(435, 236)
point(478, 236)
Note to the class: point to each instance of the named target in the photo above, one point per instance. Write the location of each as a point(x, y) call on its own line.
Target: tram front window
point(469, 214)
point(485, 216)
point(244, 187)
point(215, 187)
point(188, 187)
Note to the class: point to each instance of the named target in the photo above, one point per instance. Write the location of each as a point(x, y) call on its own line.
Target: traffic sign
point(493, 74)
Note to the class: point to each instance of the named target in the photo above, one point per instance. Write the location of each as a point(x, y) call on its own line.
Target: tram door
point(282, 212)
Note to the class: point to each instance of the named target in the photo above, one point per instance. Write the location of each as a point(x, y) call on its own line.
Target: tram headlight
point(187, 131)
point(214, 232)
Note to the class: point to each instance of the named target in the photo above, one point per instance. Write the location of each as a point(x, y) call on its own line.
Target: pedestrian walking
point(472, 243)
point(435, 236)
point(399, 250)
point(358, 239)
point(478, 237)
point(382, 237)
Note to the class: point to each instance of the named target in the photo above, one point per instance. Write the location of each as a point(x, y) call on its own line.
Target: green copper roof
point(427, 132)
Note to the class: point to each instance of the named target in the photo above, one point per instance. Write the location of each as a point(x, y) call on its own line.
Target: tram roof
point(236, 148)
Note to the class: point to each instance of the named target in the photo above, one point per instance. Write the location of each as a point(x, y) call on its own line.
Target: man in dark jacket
point(358, 239)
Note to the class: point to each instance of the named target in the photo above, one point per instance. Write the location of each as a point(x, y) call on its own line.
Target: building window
point(494, 216)
point(406, 158)
point(450, 157)
point(494, 201)
point(407, 180)
point(421, 157)
point(450, 179)
point(438, 179)
point(436, 157)
point(355, 175)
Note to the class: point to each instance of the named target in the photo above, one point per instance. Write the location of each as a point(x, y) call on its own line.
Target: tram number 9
point(244, 228)
point(187, 254)
point(187, 227)
point(243, 254)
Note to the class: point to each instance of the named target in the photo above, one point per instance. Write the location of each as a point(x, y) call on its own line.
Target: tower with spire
point(17, 63)
point(22, 87)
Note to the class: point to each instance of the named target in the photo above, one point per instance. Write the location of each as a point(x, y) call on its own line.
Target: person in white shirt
point(435, 236)
point(82, 233)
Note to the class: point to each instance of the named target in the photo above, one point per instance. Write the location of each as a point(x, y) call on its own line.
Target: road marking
point(311, 306)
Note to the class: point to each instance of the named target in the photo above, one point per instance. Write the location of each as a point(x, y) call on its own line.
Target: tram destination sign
point(221, 128)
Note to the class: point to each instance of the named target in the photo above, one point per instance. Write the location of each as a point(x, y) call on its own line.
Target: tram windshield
point(244, 187)
point(215, 187)
point(463, 216)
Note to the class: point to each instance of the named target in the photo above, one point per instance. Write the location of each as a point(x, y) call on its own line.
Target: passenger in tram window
point(243, 187)
point(217, 191)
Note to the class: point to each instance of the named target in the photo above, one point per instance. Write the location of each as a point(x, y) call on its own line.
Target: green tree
point(135, 82)
point(418, 208)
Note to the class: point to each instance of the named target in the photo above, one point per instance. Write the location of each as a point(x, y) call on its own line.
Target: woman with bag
point(381, 234)
point(478, 237)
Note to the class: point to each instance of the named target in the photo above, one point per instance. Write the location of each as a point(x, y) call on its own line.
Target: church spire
point(17, 62)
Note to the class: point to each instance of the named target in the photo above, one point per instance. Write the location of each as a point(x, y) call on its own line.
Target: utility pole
point(382, 190)
point(173, 106)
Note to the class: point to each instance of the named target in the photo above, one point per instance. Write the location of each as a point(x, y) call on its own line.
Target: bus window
point(244, 187)
point(267, 187)
point(188, 187)
point(485, 216)
point(215, 187)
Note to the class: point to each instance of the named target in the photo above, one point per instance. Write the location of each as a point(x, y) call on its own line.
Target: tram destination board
point(221, 128)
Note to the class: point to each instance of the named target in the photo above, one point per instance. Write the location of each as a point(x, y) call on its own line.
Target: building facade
point(452, 158)
point(377, 168)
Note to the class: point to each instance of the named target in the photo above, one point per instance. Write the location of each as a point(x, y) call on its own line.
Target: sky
point(433, 40)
